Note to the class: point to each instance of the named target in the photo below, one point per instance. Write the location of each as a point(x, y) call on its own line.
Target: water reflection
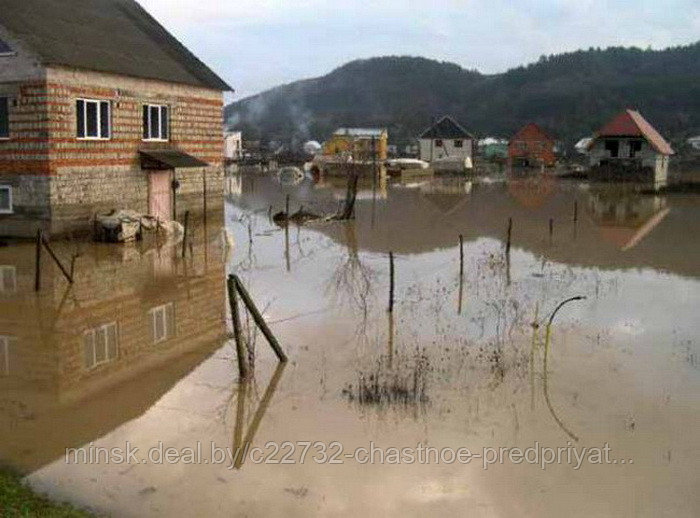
point(78, 360)
point(429, 214)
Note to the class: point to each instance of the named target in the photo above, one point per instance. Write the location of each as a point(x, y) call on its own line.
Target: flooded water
point(135, 355)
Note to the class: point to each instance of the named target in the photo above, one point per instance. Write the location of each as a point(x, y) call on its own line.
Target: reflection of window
point(4, 117)
point(93, 119)
point(458, 143)
point(4, 355)
point(438, 142)
point(5, 199)
point(100, 345)
point(162, 322)
point(8, 278)
point(155, 122)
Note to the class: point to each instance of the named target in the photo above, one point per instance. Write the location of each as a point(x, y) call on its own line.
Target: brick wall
point(93, 176)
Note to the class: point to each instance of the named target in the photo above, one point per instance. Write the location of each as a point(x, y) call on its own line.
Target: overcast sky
point(258, 44)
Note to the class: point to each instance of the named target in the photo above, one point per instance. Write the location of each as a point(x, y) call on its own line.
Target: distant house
point(493, 149)
point(446, 139)
point(233, 145)
point(360, 144)
point(629, 147)
point(582, 145)
point(101, 108)
point(532, 146)
point(694, 142)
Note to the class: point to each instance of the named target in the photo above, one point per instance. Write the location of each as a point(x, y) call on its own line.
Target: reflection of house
point(629, 147)
point(360, 144)
point(532, 146)
point(100, 108)
point(77, 362)
point(532, 192)
point(446, 139)
point(624, 219)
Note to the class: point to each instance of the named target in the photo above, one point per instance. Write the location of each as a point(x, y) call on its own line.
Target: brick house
point(532, 146)
point(101, 108)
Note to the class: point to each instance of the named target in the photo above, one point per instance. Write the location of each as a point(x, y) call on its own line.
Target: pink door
point(159, 195)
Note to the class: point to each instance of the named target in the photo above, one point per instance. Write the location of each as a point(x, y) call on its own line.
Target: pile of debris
point(121, 226)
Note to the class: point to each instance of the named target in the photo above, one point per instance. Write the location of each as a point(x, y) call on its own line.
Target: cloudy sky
point(258, 44)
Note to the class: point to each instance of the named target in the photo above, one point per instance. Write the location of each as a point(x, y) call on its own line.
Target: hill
point(570, 94)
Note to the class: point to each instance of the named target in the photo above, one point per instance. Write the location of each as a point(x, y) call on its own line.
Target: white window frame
point(99, 119)
point(94, 332)
point(160, 138)
point(7, 100)
point(167, 325)
point(5, 347)
point(10, 209)
point(12, 287)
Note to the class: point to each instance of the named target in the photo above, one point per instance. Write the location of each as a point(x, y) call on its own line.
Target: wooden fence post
point(391, 282)
point(259, 320)
point(37, 267)
point(235, 318)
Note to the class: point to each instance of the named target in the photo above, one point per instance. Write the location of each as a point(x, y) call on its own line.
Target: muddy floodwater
point(594, 415)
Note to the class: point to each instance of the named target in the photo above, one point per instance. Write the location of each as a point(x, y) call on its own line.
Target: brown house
point(532, 146)
point(101, 108)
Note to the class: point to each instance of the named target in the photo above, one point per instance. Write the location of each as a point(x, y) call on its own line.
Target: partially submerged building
point(532, 146)
point(101, 108)
point(360, 144)
point(628, 147)
point(446, 139)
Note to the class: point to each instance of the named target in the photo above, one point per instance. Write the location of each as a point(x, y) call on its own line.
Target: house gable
point(446, 128)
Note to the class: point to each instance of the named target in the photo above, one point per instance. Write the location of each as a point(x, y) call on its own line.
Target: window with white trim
point(5, 355)
point(156, 118)
point(8, 279)
point(162, 322)
point(6, 199)
point(100, 345)
point(93, 119)
point(4, 117)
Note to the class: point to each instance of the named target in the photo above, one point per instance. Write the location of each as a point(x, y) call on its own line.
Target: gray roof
point(115, 36)
point(359, 132)
point(446, 128)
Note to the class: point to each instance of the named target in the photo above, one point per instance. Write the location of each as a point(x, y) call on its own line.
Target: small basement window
point(100, 345)
point(155, 122)
point(6, 199)
point(4, 117)
point(94, 119)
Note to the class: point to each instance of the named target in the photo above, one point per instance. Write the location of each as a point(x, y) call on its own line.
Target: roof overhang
point(159, 159)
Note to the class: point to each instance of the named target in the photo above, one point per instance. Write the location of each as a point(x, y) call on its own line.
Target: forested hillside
point(569, 94)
